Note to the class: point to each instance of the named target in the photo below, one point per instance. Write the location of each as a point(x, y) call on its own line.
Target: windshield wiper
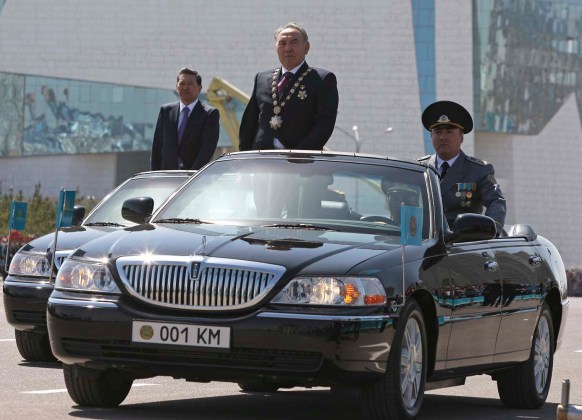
point(104, 224)
point(298, 226)
point(183, 220)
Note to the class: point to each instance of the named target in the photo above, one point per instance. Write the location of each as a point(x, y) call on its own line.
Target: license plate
point(180, 334)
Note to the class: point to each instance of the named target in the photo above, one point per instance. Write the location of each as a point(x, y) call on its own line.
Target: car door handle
point(491, 265)
point(535, 261)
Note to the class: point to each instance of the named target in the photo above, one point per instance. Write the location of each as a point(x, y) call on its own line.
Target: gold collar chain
point(277, 108)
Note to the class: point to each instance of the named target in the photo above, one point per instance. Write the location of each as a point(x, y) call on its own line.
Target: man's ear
point(307, 47)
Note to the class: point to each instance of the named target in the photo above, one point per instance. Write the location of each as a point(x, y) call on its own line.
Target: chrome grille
point(61, 256)
point(198, 282)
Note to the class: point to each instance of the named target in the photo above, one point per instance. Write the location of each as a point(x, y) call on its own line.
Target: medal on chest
point(276, 120)
point(465, 191)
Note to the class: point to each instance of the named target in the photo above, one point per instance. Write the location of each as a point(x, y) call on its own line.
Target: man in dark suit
point(467, 184)
point(187, 131)
point(293, 106)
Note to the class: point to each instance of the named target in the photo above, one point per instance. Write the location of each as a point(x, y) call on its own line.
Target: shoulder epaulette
point(475, 160)
point(427, 157)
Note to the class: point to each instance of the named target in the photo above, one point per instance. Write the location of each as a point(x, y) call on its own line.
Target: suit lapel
point(454, 174)
point(195, 116)
point(174, 112)
point(291, 83)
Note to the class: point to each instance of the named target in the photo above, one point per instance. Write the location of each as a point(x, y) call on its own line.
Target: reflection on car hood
point(68, 238)
point(292, 248)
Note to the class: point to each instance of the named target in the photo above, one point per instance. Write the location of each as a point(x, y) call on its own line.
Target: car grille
point(61, 256)
point(198, 282)
point(117, 350)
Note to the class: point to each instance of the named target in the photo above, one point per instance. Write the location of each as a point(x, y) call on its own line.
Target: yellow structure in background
point(221, 95)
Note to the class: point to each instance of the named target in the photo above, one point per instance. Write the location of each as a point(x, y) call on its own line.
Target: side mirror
point(137, 210)
point(472, 227)
point(78, 214)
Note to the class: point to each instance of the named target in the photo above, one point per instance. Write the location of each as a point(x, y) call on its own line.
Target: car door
point(520, 270)
point(475, 298)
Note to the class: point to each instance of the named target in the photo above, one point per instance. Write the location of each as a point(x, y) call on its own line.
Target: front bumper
point(25, 304)
point(302, 349)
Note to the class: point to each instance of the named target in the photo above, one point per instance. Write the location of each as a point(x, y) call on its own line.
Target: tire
point(258, 386)
point(527, 385)
point(400, 393)
point(96, 388)
point(34, 347)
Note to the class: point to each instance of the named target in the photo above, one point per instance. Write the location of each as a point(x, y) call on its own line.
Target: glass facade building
point(43, 116)
point(528, 61)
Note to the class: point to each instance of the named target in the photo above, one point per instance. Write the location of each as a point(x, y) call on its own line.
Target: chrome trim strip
point(32, 284)
point(336, 318)
point(83, 303)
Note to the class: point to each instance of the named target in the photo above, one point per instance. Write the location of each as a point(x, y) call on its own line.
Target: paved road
point(37, 391)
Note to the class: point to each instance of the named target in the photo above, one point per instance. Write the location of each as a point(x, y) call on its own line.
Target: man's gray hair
point(292, 25)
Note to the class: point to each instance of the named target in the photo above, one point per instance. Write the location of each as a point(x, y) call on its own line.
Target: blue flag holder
point(410, 234)
point(16, 221)
point(64, 219)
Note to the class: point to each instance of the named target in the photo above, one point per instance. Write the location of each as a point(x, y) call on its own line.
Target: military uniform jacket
point(469, 186)
point(200, 137)
point(308, 116)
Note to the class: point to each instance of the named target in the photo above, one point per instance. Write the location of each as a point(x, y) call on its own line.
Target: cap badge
point(443, 119)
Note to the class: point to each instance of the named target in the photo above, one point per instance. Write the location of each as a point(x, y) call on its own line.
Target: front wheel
point(400, 393)
point(527, 385)
point(34, 347)
point(96, 388)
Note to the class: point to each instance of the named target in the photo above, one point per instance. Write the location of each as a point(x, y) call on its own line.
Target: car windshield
point(109, 209)
point(304, 193)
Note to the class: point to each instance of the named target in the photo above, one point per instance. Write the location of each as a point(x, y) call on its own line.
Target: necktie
point(283, 82)
point(182, 123)
point(444, 168)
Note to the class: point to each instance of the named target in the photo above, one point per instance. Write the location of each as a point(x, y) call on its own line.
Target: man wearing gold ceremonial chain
point(293, 106)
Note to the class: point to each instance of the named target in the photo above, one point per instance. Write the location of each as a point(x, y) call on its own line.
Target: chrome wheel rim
point(542, 355)
point(411, 364)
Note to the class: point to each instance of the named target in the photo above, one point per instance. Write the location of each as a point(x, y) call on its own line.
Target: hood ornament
point(202, 249)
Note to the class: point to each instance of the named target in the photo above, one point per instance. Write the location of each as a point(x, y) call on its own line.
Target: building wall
point(368, 44)
point(454, 57)
point(540, 177)
point(93, 174)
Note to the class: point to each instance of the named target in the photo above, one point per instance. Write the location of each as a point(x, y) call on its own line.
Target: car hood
point(296, 249)
point(68, 238)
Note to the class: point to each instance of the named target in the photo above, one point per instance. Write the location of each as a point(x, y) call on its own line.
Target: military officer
point(467, 184)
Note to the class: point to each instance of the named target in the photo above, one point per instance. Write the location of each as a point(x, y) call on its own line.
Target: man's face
point(187, 88)
point(291, 48)
point(446, 141)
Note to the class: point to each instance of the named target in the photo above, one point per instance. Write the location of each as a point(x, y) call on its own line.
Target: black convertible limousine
point(288, 268)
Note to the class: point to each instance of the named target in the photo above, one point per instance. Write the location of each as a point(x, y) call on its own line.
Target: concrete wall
point(454, 57)
point(368, 44)
point(541, 178)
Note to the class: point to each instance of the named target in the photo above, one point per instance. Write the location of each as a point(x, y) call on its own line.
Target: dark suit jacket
point(200, 137)
point(469, 174)
point(307, 123)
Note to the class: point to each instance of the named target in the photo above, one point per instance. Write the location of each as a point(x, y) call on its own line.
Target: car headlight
point(33, 264)
point(85, 276)
point(337, 291)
